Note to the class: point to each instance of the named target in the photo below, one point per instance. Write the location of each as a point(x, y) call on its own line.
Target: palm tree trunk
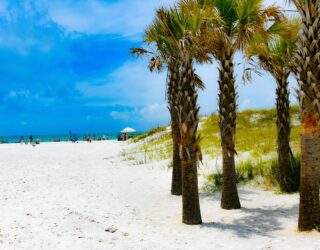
point(308, 74)
point(283, 132)
point(189, 145)
point(227, 123)
point(176, 183)
point(309, 210)
point(172, 89)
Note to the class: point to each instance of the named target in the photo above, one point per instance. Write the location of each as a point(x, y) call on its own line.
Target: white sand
point(73, 196)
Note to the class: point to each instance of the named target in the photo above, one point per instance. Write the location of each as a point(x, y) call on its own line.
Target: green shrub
point(245, 171)
point(249, 170)
point(213, 183)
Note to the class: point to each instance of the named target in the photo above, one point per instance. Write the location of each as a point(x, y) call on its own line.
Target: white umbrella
point(128, 130)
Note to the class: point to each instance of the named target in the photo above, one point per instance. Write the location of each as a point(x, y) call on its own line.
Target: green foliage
point(245, 172)
point(156, 130)
point(261, 172)
point(213, 183)
point(256, 134)
point(256, 137)
point(153, 131)
point(317, 227)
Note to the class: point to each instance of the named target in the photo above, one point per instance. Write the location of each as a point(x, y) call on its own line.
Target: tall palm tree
point(164, 56)
point(239, 20)
point(183, 25)
point(308, 75)
point(276, 56)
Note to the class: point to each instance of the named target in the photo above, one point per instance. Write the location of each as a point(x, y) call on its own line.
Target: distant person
point(21, 139)
point(31, 138)
point(124, 136)
point(85, 138)
point(119, 137)
point(70, 135)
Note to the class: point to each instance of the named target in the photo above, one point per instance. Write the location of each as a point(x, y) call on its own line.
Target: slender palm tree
point(276, 56)
point(164, 56)
point(183, 25)
point(239, 20)
point(308, 75)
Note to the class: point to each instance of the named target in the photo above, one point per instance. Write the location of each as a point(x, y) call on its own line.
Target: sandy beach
point(85, 196)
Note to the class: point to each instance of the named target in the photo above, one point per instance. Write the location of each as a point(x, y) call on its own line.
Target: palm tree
point(183, 25)
point(308, 75)
point(165, 57)
point(276, 56)
point(239, 20)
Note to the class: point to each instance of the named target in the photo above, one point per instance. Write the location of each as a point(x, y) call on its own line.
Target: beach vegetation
point(276, 56)
point(199, 31)
point(232, 30)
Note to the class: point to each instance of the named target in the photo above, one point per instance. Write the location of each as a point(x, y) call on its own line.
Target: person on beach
point(21, 139)
point(31, 138)
point(124, 136)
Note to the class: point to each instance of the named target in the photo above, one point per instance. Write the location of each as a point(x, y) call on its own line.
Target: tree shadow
point(262, 221)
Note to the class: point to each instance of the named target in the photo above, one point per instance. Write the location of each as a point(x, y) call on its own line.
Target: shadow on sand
point(259, 221)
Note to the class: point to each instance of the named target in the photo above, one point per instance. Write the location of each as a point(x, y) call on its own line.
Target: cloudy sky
point(65, 64)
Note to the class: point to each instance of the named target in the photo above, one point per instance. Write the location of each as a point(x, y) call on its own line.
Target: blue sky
point(66, 65)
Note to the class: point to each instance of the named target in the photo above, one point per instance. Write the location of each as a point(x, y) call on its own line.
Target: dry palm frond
point(139, 52)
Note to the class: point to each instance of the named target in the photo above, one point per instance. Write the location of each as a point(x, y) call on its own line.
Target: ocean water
point(52, 138)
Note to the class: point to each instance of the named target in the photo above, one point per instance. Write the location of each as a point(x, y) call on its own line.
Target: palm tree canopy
point(238, 21)
point(277, 54)
point(304, 6)
point(178, 30)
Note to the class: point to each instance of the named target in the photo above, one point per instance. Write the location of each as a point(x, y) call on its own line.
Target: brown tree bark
point(172, 90)
point(308, 75)
point(176, 183)
point(283, 134)
point(227, 124)
point(189, 144)
point(309, 210)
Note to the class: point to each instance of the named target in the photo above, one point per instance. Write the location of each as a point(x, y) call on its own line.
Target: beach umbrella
point(128, 130)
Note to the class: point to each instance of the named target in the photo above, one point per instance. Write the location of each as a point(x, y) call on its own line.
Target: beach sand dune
point(83, 196)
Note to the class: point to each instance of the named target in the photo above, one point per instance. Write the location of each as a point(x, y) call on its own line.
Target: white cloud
point(127, 18)
point(151, 113)
point(260, 93)
point(155, 111)
point(130, 85)
point(122, 116)
point(143, 92)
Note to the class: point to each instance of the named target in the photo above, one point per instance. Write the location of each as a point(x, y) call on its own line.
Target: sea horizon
point(63, 137)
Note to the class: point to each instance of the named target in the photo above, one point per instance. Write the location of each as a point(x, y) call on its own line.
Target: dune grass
point(256, 133)
point(256, 136)
point(264, 173)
